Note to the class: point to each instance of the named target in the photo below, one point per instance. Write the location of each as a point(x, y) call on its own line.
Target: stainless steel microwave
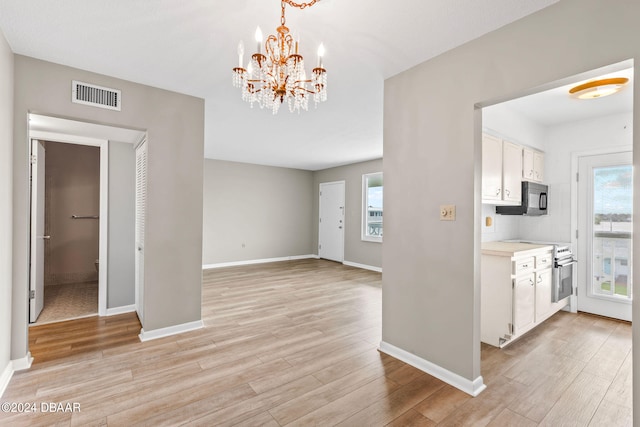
point(534, 201)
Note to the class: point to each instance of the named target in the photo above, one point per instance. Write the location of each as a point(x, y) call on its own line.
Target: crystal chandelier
point(279, 75)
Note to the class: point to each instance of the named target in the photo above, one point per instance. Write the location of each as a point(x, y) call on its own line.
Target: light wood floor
point(294, 343)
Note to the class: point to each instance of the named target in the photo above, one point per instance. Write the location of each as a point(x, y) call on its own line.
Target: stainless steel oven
point(563, 271)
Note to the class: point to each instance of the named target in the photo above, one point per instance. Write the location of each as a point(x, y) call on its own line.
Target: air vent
point(97, 96)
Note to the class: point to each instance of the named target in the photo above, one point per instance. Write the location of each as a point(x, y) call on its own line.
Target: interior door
point(331, 225)
point(605, 201)
point(36, 300)
point(141, 209)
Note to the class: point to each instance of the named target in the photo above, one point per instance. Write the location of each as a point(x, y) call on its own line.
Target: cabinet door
point(523, 303)
point(527, 165)
point(512, 172)
point(491, 168)
point(543, 294)
point(538, 166)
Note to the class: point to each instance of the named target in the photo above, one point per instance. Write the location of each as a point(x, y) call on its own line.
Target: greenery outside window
point(372, 207)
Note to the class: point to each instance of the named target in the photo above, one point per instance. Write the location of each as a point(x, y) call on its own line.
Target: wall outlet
point(447, 212)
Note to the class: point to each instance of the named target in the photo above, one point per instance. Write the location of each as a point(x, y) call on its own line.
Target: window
point(372, 207)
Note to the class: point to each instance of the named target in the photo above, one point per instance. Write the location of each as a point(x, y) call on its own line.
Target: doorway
point(69, 228)
point(331, 226)
point(604, 234)
point(66, 203)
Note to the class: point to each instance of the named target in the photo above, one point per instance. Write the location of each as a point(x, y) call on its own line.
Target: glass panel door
point(605, 202)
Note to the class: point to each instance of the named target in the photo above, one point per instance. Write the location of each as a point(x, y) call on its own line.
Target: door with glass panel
point(605, 202)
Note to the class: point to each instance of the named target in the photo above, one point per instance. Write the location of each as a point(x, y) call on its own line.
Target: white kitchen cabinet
point(544, 306)
point(524, 294)
point(532, 165)
point(491, 168)
point(501, 171)
point(515, 290)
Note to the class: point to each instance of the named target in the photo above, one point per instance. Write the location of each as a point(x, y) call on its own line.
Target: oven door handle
point(566, 263)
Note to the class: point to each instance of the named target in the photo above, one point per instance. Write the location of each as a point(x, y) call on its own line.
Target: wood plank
point(295, 343)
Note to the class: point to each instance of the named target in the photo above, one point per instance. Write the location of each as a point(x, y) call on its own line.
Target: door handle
point(46, 237)
point(340, 227)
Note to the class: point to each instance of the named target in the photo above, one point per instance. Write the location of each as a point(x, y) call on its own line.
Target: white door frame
point(103, 144)
point(575, 159)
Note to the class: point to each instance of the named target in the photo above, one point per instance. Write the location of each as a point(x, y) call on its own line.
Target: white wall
point(562, 141)
point(6, 207)
point(254, 212)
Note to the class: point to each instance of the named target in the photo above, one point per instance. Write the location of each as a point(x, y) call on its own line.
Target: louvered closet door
point(141, 208)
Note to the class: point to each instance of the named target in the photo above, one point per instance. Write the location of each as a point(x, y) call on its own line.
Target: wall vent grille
point(97, 96)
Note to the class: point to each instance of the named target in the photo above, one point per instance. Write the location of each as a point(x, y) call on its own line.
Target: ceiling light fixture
point(599, 88)
point(279, 75)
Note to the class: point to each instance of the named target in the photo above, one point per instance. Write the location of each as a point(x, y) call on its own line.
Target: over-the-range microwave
point(534, 201)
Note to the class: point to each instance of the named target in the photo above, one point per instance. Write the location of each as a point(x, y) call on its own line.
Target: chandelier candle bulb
point(320, 54)
point(240, 53)
point(258, 40)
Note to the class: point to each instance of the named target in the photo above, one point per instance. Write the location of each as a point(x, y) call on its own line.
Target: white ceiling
point(190, 47)
point(556, 106)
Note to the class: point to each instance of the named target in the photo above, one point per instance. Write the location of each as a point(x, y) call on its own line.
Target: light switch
point(447, 212)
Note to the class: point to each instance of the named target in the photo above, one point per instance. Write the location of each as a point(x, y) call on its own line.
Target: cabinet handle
point(539, 279)
point(497, 192)
point(531, 280)
point(508, 192)
point(525, 265)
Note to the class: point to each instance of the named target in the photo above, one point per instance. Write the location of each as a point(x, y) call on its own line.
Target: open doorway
point(558, 128)
point(65, 231)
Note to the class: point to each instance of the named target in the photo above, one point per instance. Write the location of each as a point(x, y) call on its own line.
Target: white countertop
point(511, 249)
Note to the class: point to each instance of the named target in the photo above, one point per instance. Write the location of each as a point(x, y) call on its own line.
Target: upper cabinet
point(501, 171)
point(532, 165)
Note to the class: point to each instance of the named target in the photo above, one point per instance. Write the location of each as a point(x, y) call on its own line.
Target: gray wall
point(175, 129)
point(255, 212)
point(122, 216)
point(355, 249)
point(432, 156)
point(6, 200)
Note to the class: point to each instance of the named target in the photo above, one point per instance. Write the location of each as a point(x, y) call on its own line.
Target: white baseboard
point(472, 388)
point(363, 266)
point(257, 261)
point(171, 330)
point(121, 310)
point(23, 363)
point(6, 377)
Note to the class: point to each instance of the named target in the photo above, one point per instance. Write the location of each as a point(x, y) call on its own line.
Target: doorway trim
point(103, 144)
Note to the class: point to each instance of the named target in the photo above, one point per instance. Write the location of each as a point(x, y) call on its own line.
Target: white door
point(605, 200)
point(331, 226)
point(36, 301)
point(141, 208)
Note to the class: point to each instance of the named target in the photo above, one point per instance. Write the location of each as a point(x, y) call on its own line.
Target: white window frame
point(365, 199)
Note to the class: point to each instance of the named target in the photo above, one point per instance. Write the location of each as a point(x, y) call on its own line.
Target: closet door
point(141, 208)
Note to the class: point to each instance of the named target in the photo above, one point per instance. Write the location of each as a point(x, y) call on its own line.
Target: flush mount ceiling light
point(279, 75)
point(599, 88)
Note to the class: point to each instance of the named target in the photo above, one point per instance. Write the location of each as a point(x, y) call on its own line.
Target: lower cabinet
point(515, 294)
point(524, 296)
